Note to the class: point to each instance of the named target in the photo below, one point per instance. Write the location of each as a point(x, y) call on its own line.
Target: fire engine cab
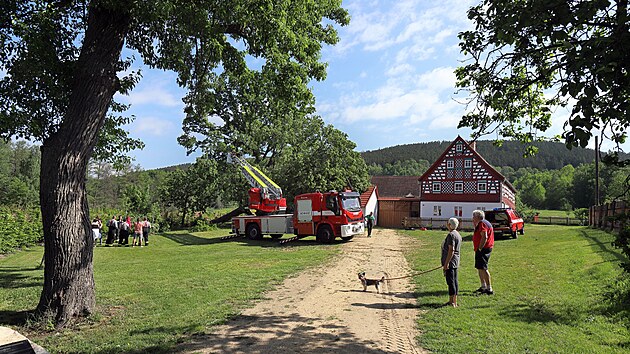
point(324, 215)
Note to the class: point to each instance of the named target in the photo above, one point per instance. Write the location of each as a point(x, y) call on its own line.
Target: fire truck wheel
point(522, 230)
point(514, 234)
point(253, 232)
point(346, 239)
point(276, 236)
point(325, 234)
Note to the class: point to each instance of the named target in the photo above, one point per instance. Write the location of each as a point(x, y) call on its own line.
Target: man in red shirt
point(483, 241)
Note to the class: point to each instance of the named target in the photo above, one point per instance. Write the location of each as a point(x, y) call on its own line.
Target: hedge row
point(19, 228)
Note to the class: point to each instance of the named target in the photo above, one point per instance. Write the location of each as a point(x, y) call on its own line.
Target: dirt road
point(325, 310)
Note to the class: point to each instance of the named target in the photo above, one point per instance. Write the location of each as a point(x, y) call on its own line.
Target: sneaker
point(480, 290)
point(488, 292)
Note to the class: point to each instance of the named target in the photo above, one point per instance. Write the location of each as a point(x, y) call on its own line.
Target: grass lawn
point(555, 213)
point(550, 295)
point(153, 297)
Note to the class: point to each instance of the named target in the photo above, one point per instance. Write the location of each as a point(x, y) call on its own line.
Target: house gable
point(461, 174)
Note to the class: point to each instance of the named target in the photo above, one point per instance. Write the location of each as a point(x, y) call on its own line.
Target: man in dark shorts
point(483, 242)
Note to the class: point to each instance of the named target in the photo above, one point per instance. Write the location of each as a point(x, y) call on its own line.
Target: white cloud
point(153, 126)
point(439, 79)
point(400, 69)
point(377, 26)
point(154, 95)
point(413, 103)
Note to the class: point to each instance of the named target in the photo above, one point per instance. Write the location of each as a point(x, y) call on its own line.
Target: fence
point(467, 224)
point(435, 223)
point(605, 216)
point(557, 220)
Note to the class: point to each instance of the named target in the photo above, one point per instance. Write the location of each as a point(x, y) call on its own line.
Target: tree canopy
point(526, 57)
point(62, 63)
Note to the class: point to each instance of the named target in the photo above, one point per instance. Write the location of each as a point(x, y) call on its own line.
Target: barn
point(460, 181)
point(398, 198)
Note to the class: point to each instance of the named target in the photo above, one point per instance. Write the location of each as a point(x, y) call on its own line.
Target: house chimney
point(473, 145)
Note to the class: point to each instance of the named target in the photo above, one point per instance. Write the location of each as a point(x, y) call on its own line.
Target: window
point(467, 163)
point(437, 187)
point(481, 208)
point(437, 210)
point(415, 210)
point(458, 147)
point(459, 187)
point(482, 187)
point(457, 211)
point(449, 164)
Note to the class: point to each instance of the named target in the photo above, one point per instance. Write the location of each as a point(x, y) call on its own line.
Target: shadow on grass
point(14, 318)
point(617, 297)
point(17, 278)
point(189, 239)
point(604, 247)
point(537, 312)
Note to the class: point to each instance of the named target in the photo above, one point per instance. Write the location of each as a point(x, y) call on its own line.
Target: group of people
point(483, 242)
point(120, 229)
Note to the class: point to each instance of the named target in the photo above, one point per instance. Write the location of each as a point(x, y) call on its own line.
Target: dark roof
point(397, 186)
point(365, 196)
point(480, 159)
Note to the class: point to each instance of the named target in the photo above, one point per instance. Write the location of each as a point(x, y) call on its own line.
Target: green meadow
point(151, 298)
point(555, 290)
point(554, 293)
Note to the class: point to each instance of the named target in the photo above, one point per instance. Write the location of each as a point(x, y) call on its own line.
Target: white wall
point(372, 206)
point(448, 210)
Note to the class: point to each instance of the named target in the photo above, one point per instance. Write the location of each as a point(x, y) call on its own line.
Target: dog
point(367, 282)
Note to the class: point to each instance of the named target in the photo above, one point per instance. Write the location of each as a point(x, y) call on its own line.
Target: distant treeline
point(551, 156)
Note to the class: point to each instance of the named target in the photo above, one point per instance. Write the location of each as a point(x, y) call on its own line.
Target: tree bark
point(68, 274)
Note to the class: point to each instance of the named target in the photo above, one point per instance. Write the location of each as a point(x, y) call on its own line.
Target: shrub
point(581, 213)
point(19, 228)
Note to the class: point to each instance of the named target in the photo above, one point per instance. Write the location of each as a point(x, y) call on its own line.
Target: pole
point(596, 171)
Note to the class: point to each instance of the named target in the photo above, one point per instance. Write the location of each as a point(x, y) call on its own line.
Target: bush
point(581, 213)
point(623, 241)
point(203, 225)
point(19, 228)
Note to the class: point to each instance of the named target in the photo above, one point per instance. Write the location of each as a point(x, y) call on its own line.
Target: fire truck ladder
point(256, 177)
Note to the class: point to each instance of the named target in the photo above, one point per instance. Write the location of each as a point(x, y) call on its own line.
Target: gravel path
point(324, 310)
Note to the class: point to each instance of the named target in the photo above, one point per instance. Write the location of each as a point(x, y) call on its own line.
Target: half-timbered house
point(460, 181)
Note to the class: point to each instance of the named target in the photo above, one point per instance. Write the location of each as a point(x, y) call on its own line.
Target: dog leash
point(413, 275)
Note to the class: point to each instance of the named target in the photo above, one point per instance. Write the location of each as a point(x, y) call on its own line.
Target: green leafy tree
point(193, 189)
point(576, 52)
point(323, 159)
point(19, 174)
point(531, 190)
point(558, 191)
point(61, 61)
point(583, 186)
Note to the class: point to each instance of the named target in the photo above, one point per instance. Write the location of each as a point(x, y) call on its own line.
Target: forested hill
point(551, 156)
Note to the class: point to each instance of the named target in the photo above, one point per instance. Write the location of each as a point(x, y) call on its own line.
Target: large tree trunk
point(68, 275)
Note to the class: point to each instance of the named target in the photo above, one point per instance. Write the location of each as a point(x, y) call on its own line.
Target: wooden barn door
point(392, 212)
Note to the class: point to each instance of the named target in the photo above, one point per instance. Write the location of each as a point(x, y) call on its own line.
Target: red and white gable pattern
point(462, 179)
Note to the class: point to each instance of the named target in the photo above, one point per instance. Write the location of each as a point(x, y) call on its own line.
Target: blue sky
point(390, 82)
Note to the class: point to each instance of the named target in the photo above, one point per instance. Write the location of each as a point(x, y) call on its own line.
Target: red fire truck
point(325, 215)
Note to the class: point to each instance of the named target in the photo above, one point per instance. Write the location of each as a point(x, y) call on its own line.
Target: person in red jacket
point(483, 242)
